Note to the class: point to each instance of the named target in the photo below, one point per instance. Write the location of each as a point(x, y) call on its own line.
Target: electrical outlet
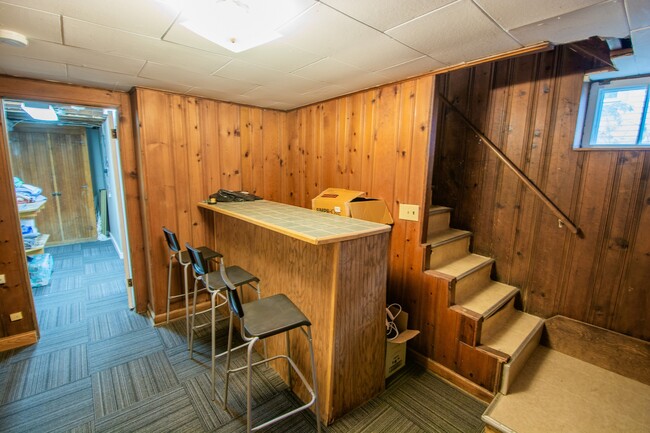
point(16, 316)
point(2, 279)
point(409, 212)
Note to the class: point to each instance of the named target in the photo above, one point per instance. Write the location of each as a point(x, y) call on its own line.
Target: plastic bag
point(40, 267)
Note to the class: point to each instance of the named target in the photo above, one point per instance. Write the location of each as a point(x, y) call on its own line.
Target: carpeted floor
point(102, 368)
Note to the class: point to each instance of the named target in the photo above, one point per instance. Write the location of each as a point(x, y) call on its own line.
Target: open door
point(115, 200)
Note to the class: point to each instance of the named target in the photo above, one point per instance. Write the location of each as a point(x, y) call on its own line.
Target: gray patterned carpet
point(102, 368)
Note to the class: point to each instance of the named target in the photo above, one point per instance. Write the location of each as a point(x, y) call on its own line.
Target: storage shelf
point(29, 210)
point(39, 245)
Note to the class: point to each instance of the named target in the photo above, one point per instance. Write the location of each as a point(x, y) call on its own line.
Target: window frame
point(589, 112)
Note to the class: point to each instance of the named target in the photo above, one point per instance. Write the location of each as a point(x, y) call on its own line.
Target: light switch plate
point(2, 279)
point(409, 212)
point(16, 316)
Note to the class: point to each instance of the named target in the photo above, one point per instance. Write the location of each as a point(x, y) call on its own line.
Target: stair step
point(438, 219)
point(438, 209)
point(487, 299)
point(557, 392)
point(442, 254)
point(445, 236)
point(464, 266)
point(513, 333)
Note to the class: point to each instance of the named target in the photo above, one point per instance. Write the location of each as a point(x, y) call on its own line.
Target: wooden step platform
point(559, 393)
point(513, 333)
point(447, 235)
point(486, 299)
point(463, 266)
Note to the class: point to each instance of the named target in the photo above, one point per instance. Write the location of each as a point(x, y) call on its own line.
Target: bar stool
point(215, 285)
point(183, 259)
point(259, 320)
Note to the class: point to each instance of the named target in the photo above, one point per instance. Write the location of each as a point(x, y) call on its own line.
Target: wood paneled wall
point(16, 295)
point(189, 148)
point(376, 141)
point(528, 107)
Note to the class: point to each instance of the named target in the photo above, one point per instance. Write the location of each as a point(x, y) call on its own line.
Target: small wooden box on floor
point(334, 269)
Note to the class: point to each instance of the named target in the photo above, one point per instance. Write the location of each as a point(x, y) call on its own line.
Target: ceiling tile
point(362, 81)
point(239, 70)
point(115, 81)
point(269, 93)
point(74, 56)
point(638, 13)
point(32, 23)
point(439, 34)
point(323, 30)
point(516, 13)
point(172, 74)
point(294, 83)
point(377, 51)
point(328, 70)
point(104, 39)
point(641, 44)
point(325, 92)
point(386, 14)
point(31, 68)
point(412, 68)
point(219, 95)
point(606, 19)
point(279, 56)
point(120, 14)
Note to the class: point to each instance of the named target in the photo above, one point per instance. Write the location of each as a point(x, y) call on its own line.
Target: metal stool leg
point(192, 325)
point(169, 285)
point(313, 378)
point(187, 306)
point(289, 369)
point(225, 396)
point(249, 379)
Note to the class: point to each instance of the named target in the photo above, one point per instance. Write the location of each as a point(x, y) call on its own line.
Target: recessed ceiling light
point(15, 39)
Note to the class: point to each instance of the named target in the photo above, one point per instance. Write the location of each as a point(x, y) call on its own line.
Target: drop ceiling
point(330, 48)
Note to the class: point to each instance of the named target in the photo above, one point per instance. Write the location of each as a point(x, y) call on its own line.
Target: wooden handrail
point(563, 220)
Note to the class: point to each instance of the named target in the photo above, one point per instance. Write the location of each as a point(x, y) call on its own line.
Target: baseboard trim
point(158, 319)
point(18, 340)
point(452, 377)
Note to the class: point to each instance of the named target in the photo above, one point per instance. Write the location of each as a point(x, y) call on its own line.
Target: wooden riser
point(438, 219)
point(468, 282)
point(442, 254)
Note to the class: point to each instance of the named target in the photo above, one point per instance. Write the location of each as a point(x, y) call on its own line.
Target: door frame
point(21, 88)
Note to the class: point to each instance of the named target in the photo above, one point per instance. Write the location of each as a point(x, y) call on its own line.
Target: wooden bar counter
point(334, 269)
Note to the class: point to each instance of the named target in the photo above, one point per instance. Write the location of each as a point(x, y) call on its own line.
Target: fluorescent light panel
point(237, 25)
point(40, 113)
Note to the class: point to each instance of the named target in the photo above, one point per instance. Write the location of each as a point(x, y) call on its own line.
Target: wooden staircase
point(489, 321)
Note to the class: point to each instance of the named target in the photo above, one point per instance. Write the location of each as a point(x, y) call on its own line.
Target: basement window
point(614, 114)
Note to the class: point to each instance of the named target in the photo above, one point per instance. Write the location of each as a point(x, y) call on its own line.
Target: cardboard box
point(345, 202)
point(333, 200)
point(396, 348)
point(369, 209)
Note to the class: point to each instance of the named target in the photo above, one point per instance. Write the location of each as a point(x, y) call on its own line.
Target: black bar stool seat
point(271, 316)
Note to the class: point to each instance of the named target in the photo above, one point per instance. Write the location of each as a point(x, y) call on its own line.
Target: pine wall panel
point(189, 148)
point(528, 107)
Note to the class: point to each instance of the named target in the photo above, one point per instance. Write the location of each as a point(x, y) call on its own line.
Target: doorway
point(66, 164)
